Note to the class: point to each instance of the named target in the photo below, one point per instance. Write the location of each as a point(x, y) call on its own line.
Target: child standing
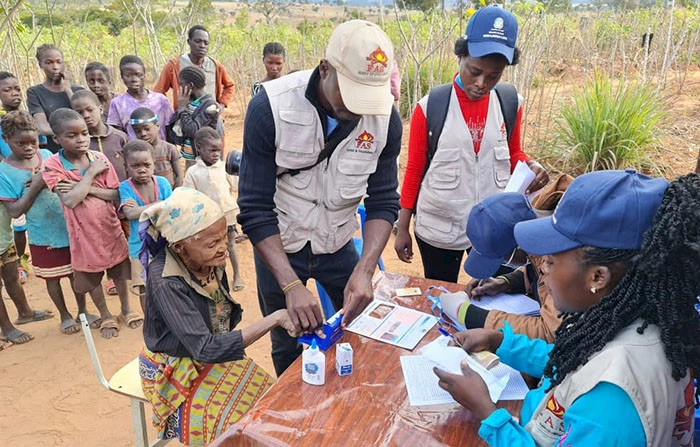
point(146, 126)
point(133, 73)
point(11, 98)
point(195, 109)
point(87, 185)
point(274, 57)
point(103, 137)
point(99, 81)
point(52, 94)
point(208, 176)
point(22, 190)
point(140, 191)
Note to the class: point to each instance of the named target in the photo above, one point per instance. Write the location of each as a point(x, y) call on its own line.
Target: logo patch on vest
point(504, 132)
point(550, 421)
point(365, 141)
point(377, 61)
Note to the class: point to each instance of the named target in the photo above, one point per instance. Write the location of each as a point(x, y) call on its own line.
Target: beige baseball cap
point(363, 56)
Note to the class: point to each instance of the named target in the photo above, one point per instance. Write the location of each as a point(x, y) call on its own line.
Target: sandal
point(18, 337)
point(93, 321)
point(69, 327)
point(111, 288)
point(132, 320)
point(109, 323)
point(39, 315)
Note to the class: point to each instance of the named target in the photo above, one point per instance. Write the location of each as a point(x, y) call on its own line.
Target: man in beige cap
point(315, 144)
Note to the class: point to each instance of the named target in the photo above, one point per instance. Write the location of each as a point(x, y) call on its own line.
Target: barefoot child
point(22, 190)
point(99, 81)
point(103, 137)
point(133, 73)
point(141, 190)
point(52, 94)
point(274, 57)
point(87, 185)
point(195, 109)
point(208, 176)
point(146, 126)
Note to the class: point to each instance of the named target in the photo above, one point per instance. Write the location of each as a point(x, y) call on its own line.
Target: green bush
point(606, 127)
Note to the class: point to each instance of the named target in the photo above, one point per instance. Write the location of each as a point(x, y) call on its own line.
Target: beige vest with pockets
point(637, 364)
point(319, 204)
point(458, 179)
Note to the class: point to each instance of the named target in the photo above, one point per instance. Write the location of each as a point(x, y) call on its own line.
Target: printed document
point(393, 324)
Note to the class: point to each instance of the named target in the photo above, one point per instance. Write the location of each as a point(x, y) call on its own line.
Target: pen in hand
point(447, 334)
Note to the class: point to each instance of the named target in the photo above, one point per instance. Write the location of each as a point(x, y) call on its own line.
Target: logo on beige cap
point(377, 61)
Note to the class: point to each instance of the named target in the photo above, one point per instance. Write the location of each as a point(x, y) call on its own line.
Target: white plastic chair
point(126, 382)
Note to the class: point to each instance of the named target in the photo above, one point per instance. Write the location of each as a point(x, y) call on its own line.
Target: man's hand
point(357, 295)
point(469, 389)
point(541, 177)
point(304, 310)
point(491, 286)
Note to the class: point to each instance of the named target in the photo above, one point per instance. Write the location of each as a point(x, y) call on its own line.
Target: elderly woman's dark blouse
point(178, 315)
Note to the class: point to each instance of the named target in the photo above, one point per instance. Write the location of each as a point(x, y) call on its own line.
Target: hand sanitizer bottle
point(313, 365)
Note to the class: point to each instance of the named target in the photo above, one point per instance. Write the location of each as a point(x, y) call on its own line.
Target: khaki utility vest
point(637, 364)
point(458, 179)
point(319, 204)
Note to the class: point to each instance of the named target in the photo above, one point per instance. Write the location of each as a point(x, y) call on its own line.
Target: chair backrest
point(93, 352)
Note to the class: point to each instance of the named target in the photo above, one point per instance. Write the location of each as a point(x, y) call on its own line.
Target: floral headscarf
point(185, 213)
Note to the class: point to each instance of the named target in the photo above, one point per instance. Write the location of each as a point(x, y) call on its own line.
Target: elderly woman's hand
point(284, 321)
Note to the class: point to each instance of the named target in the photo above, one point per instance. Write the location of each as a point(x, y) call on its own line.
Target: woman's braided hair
point(660, 287)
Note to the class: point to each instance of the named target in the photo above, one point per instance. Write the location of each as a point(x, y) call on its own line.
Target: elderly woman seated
point(194, 369)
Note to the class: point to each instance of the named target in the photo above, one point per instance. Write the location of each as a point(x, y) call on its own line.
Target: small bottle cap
point(314, 346)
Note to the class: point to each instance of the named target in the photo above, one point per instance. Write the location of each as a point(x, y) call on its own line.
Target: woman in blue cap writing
point(621, 261)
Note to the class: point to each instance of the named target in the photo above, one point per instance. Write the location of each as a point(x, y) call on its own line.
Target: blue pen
point(447, 334)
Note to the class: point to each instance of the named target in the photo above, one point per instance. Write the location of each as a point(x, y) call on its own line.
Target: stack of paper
point(511, 303)
point(520, 179)
point(503, 382)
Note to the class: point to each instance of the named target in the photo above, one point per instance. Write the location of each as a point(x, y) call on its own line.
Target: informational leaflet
point(393, 324)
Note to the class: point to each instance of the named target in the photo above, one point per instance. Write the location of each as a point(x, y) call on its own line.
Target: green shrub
point(609, 128)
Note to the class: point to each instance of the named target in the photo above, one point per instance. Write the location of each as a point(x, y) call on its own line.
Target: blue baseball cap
point(492, 30)
point(606, 209)
point(490, 230)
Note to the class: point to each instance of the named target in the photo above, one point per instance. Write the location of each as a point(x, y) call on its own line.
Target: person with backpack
point(316, 143)
point(464, 144)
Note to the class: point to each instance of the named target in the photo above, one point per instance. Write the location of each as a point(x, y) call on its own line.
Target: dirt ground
point(50, 395)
